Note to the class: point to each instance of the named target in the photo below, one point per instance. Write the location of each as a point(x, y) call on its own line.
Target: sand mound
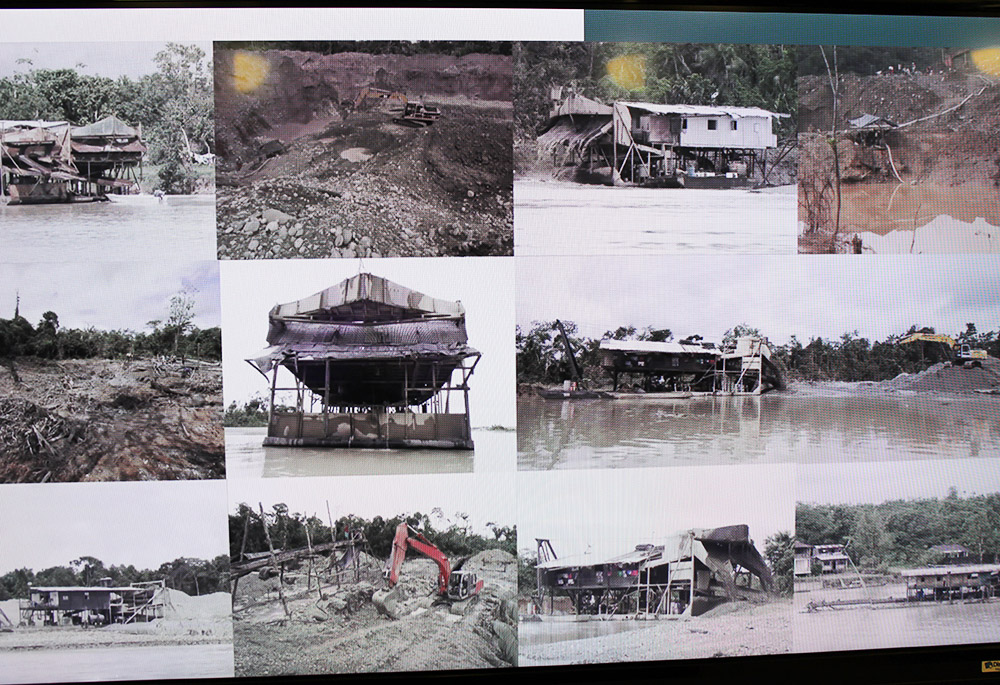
point(948, 379)
point(182, 606)
point(9, 608)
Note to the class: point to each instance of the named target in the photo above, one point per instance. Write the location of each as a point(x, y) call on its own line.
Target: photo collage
point(325, 357)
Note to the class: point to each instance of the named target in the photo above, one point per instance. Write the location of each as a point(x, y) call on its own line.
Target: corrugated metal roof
point(949, 570)
point(703, 110)
point(650, 346)
point(949, 548)
point(86, 588)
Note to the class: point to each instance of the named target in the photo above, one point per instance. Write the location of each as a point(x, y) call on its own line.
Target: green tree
point(779, 550)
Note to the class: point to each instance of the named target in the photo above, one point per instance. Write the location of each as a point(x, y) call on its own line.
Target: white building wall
point(751, 132)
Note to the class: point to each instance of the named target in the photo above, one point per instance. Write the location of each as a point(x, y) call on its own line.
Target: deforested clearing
point(111, 419)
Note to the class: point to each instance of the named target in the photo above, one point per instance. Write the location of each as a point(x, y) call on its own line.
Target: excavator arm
point(404, 540)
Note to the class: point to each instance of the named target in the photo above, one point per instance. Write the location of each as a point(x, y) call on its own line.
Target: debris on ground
point(340, 630)
point(101, 419)
point(300, 175)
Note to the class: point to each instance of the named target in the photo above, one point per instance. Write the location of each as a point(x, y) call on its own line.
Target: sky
point(109, 295)
point(140, 523)
point(485, 497)
point(110, 59)
point(801, 295)
point(877, 482)
point(485, 286)
point(611, 511)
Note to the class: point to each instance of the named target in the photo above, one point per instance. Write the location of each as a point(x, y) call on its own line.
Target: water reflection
point(246, 457)
point(179, 228)
point(808, 426)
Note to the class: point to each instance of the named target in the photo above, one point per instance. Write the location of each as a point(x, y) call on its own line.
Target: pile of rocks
point(271, 233)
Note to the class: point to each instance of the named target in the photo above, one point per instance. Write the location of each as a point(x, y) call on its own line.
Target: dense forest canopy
point(541, 357)
point(901, 532)
point(174, 105)
point(177, 335)
point(288, 531)
point(189, 575)
point(670, 73)
point(455, 48)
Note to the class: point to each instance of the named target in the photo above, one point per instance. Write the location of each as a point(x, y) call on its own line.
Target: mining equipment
point(961, 353)
point(453, 584)
point(413, 114)
point(418, 115)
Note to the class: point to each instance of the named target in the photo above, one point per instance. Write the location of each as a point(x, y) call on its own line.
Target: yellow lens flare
point(987, 60)
point(628, 71)
point(249, 71)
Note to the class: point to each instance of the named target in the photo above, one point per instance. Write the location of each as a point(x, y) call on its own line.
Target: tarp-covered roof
point(367, 297)
point(110, 126)
point(703, 110)
point(30, 123)
point(871, 121)
point(650, 346)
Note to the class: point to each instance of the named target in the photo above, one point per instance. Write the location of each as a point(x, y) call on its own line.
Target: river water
point(564, 218)
point(896, 626)
point(246, 457)
point(180, 228)
point(530, 633)
point(116, 663)
point(811, 425)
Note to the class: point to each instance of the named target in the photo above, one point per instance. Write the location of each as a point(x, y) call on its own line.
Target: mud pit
point(303, 175)
point(98, 419)
point(344, 632)
point(948, 166)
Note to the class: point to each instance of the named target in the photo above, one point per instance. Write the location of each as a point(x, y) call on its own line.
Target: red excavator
point(454, 584)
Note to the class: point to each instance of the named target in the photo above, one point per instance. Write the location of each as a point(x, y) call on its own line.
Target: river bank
point(732, 629)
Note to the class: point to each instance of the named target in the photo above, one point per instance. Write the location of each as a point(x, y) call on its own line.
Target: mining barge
point(375, 364)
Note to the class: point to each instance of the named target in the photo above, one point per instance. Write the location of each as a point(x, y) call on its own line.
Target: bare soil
point(344, 632)
point(732, 629)
point(99, 419)
point(356, 183)
point(954, 156)
point(946, 378)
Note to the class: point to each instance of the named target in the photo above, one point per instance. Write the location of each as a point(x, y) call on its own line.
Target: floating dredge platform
point(374, 365)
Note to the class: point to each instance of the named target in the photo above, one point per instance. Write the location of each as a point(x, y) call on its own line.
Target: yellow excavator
point(962, 353)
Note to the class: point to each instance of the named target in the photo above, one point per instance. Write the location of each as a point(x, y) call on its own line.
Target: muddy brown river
point(180, 227)
point(829, 423)
point(884, 207)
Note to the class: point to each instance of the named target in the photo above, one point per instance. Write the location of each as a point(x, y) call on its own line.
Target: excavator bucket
point(387, 601)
